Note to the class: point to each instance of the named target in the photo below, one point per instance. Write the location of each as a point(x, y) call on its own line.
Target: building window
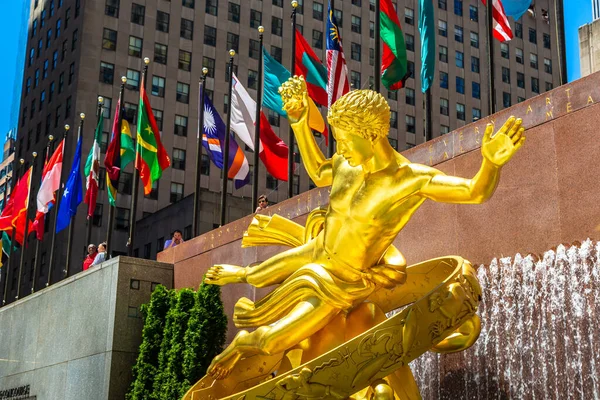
point(460, 111)
point(547, 41)
point(233, 41)
point(371, 29)
point(135, 46)
point(233, 12)
point(504, 50)
point(318, 11)
point(178, 159)
point(460, 85)
point(255, 19)
point(185, 60)
point(209, 63)
point(183, 92)
point(473, 14)
point(521, 80)
point(187, 29)
point(133, 80)
point(212, 7)
point(228, 73)
point(442, 4)
point(71, 72)
point(107, 107)
point(535, 85)
point(162, 21)
point(176, 192)
point(276, 53)
point(410, 42)
point(476, 112)
point(64, 51)
point(271, 182)
point(210, 35)
point(58, 26)
point(410, 96)
point(45, 72)
point(444, 107)
point(460, 59)
point(125, 182)
point(458, 7)
point(458, 33)
point(476, 90)
point(475, 40)
point(443, 80)
point(506, 99)
point(532, 36)
point(549, 86)
point(410, 124)
point(107, 72)
point(519, 30)
point(443, 54)
point(273, 117)
point(409, 16)
point(548, 65)
point(393, 143)
point(130, 112)
point(97, 219)
point(317, 39)
point(160, 53)
point(339, 17)
point(355, 51)
point(356, 24)
point(519, 55)
point(276, 26)
point(112, 8)
point(393, 119)
point(181, 124)
point(505, 75)
point(122, 218)
point(533, 60)
point(442, 28)
point(137, 14)
point(355, 79)
point(188, 3)
point(252, 79)
point(158, 86)
point(205, 165)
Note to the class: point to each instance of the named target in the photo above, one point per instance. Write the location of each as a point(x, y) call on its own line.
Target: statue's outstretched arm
point(297, 105)
point(497, 150)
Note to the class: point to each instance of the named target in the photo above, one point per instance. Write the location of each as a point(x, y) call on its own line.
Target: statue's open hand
point(500, 147)
point(295, 98)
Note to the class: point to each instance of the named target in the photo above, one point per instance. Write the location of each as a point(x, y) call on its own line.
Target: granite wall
point(79, 338)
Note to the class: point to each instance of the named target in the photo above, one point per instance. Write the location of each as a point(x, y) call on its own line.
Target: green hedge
point(183, 331)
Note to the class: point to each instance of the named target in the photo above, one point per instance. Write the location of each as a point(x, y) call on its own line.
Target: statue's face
point(354, 148)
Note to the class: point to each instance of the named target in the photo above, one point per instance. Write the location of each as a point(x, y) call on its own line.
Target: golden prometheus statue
point(322, 332)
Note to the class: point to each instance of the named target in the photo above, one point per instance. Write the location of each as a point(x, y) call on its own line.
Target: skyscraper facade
point(78, 50)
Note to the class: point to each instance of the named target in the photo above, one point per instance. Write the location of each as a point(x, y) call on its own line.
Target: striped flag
point(92, 169)
point(337, 79)
point(502, 30)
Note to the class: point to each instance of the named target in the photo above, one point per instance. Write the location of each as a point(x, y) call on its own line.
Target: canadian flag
point(502, 30)
point(272, 150)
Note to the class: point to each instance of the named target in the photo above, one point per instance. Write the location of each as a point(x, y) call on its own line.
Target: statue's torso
point(366, 211)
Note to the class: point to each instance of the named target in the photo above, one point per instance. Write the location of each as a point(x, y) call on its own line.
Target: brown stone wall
point(548, 194)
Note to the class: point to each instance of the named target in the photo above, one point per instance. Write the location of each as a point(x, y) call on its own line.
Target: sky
point(577, 13)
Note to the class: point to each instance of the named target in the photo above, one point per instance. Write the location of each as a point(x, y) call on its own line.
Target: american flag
point(337, 79)
point(502, 30)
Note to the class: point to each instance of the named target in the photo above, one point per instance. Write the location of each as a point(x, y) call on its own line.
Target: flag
point(6, 247)
point(275, 75)
point(337, 79)
point(213, 139)
point(308, 65)
point(73, 193)
point(272, 150)
point(50, 184)
point(427, 31)
point(502, 30)
point(127, 145)
point(112, 159)
point(92, 169)
point(516, 8)
point(151, 157)
point(394, 64)
point(14, 214)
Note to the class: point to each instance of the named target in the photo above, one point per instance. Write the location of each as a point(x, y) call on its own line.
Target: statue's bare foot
point(223, 274)
point(222, 365)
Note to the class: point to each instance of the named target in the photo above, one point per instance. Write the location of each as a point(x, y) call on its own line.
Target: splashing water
point(540, 334)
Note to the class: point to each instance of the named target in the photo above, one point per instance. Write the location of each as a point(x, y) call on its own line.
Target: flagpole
point(490, 29)
point(136, 178)
point(377, 63)
point(72, 221)
point(291, 132)
point(12, 237)
point(330, 144)
point(111, 209)
point(55, 207)
point(259, 95)
point(25, 236)
point(36, 260)
point(199, 138)
point(90, 221)
point(226, 153)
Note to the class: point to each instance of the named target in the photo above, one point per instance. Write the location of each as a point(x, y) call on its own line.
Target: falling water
point(540, 334)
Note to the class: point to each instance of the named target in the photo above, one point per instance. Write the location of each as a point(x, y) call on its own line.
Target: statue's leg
point(308, 317)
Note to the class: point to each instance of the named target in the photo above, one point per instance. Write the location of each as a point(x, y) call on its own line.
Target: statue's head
point(359, 119)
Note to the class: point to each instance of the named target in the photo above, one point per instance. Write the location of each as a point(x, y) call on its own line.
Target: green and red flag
point(151, 157)
point(92, 169)
point(308, 65)
point(394, 65)
point(112, 159)
point(14, 214)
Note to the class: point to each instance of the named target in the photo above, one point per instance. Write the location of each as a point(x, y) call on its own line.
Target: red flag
point(502, 30)
point(308, 65)
point(20, 201)
point(273, 151)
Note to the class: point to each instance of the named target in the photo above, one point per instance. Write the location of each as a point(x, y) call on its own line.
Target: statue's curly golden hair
point(361, 112)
